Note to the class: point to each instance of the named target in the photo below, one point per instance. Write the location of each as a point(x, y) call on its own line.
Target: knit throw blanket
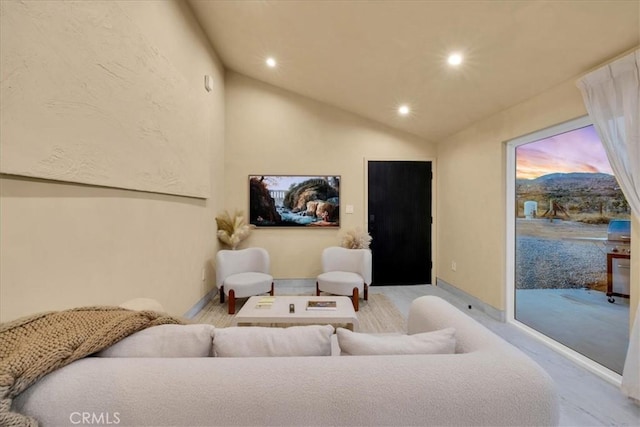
point(34, 346)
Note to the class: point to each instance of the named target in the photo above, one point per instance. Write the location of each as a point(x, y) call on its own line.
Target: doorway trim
point(511, 145)
point(434, 190)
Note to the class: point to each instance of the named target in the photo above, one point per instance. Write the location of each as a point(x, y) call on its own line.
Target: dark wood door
point(399, 221)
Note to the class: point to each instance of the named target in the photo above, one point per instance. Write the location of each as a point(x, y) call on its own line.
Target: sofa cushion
point(436, 342)
point(257, 341)
point(164, 341)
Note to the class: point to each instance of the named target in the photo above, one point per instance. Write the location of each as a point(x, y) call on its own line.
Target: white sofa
point(487, 382)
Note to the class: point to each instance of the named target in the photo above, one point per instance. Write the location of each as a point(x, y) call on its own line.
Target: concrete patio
point(581, 319)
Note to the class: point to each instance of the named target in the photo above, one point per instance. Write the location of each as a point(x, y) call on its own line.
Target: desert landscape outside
point(566, 195)
point(563, 243)
point(567, 201)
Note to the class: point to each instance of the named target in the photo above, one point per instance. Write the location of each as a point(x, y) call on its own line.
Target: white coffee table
point(278, 313)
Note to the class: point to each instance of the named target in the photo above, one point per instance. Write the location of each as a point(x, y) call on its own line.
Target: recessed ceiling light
point(403, 110)
point(455, 59)
point(271, 62)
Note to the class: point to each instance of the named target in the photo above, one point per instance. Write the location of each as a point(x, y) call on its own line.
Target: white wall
point(272, 131)
point(65, 245)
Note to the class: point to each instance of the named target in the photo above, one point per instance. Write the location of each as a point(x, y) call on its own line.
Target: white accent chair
point(345, 272)
point(242, 273)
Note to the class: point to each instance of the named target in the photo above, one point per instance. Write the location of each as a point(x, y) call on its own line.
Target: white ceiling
point(368, 57)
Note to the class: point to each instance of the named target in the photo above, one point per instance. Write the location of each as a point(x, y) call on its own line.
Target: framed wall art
point(294, 201)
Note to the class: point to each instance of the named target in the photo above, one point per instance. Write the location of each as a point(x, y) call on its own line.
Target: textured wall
point(93, 98)
point(63, 244)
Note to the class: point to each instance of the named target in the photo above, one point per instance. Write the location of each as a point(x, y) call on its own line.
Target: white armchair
point(242, 273)
point(345, 272)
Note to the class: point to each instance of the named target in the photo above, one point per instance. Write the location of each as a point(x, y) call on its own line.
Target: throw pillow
point(164, 341)
point(257, 341)
point(436, 342)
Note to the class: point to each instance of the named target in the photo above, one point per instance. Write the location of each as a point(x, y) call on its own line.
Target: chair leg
point(271, 292)
point(317, 290)
point(232, 301)
point(356, 299)
point(366, 292)
point(222, 294)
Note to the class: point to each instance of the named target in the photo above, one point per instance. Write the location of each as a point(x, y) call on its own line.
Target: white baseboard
point(295, 283)
point(489, 310)
point(302, 283)
point(200, 304)
point(311, 283)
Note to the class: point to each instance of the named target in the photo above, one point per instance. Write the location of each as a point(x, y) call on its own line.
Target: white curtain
point(612, 97)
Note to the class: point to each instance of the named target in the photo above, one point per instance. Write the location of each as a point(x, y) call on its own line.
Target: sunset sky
point(577, 151)
point(284, 182)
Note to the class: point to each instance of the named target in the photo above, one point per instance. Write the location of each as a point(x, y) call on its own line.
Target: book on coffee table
point(265, 302)
point(321, 305)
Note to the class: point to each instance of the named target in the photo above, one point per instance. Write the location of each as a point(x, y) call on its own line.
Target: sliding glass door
point(571, 244)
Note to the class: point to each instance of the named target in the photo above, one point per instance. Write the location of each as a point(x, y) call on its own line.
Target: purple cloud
point(579, 150)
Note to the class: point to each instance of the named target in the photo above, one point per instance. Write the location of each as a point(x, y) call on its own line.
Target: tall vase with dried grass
point(232, 229)
point(356, 239)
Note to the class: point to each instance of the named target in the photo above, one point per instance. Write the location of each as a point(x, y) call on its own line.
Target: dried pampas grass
point(356, 239)
point(232, 230)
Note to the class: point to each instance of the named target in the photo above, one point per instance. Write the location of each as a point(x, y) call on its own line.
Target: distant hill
point(574, 175)
point(574, 181)
point(576, 191)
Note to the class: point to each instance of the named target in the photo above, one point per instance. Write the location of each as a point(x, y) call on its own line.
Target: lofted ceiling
point(369, 57)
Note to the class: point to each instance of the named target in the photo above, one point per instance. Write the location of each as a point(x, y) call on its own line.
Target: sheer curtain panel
point(612, 96)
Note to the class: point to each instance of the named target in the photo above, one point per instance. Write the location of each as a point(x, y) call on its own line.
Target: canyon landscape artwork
point(294, 201)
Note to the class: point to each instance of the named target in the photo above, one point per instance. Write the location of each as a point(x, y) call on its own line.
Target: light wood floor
point(585, 399)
